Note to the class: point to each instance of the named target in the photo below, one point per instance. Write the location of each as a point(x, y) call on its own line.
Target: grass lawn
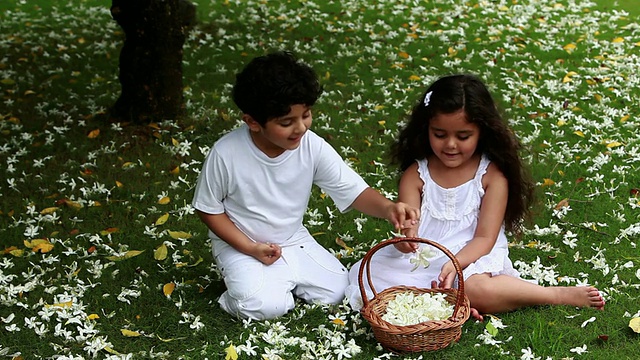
point(102, 256)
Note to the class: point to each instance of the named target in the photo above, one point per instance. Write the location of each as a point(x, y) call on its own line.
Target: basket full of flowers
point(434, 316)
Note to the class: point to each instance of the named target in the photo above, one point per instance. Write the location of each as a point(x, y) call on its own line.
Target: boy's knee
point(256, 307)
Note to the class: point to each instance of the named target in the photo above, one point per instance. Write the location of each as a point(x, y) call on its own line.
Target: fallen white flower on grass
point(579, 350)
point(591, 319)
point(409, 309)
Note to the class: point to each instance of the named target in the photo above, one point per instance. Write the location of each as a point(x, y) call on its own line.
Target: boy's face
point(281, 133)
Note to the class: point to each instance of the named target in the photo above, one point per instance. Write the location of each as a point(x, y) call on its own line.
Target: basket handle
point(366, 262)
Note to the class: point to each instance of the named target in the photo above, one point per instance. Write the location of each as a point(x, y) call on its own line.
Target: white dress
point(449, 217)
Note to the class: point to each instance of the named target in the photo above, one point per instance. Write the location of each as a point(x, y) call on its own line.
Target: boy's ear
point(251, 122)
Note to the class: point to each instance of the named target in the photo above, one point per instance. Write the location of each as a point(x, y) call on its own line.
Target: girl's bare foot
point(582, 296)
point(476, 315)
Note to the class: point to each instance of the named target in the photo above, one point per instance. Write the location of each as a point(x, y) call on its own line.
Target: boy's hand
point(406, 246)
point(267, 253)
point(403, 216)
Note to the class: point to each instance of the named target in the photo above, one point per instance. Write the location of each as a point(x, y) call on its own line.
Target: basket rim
point(461, 297)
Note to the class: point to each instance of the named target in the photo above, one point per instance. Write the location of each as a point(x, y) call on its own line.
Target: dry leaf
point(179, 235)
point(129, 333)
point(164, 200)
point(634, 324)
point(162, 219)
point(108, 231)
point(127, 255)
point(60, 305)
point(168, 288)
point(341, 242)
point(93, 316)
point(94, 134)
point(562, 204)
point(548, 182)
point(161, 252)
point(49, 210)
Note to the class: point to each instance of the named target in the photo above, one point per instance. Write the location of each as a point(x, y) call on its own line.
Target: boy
point(254, 189)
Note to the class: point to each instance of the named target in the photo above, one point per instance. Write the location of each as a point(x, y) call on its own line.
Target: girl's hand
point(267, 253)
point(447, 275)
point(407, 246)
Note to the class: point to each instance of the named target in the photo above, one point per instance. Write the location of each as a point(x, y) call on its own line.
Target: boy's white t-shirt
point(267, 197)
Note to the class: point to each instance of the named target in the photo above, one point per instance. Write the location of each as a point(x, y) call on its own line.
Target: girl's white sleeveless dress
point(449, 217)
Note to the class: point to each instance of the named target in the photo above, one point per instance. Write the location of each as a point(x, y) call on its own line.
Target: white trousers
point(258, 291)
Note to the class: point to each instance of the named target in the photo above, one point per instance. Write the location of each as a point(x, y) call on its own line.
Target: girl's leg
point(502, 293)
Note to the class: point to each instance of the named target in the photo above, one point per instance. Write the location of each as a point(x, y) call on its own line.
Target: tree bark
point(151, 58)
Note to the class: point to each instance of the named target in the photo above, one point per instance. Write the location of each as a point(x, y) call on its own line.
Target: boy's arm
point(372, 203)
point(226, 230)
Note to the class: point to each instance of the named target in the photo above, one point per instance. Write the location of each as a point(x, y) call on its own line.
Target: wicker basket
point(426, 336)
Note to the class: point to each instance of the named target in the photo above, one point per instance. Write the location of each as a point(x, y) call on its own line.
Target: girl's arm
point(410, 193)
point(490, 220)
point(226, 230)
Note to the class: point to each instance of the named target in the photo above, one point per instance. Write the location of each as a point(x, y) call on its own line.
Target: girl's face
point(453, 139)
point(281, 133)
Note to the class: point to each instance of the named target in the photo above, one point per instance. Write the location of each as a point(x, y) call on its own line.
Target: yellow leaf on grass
point(129, 254)
point(43, 248)
point(16, 252)
point(119, 184)
point(49, 210)
point(618, 40)
point(179, 235)
point(341, 242)
point(164, 200)
point(414, 78)
point(175, 142)
point(60, 305)
point(94, 134)
point(624, 118)
point(111, 351)
point(175, 170)
point(548, 182)
point(567, 78)
point(613, 144)
point(161, 252)
point(231, 352)
point(403, 54)
point(634, 324)
point(162, 219)
point(168, 288)
point(569, 48)
point(129, 333)
point(108, 231)
point(93, 316)
point(579, 133)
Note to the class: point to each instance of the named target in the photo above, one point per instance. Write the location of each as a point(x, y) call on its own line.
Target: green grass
point(58, 75)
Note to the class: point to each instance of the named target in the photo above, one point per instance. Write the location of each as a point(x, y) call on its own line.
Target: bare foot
point(476, 315)
point(582, 296)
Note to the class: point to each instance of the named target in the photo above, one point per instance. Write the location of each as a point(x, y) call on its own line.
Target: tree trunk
point(151, 58)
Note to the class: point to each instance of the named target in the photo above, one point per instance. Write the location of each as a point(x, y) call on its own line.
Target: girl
point(461, 166)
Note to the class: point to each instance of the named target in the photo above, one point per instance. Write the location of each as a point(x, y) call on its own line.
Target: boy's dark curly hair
point(467, 92)
point(270, 84)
